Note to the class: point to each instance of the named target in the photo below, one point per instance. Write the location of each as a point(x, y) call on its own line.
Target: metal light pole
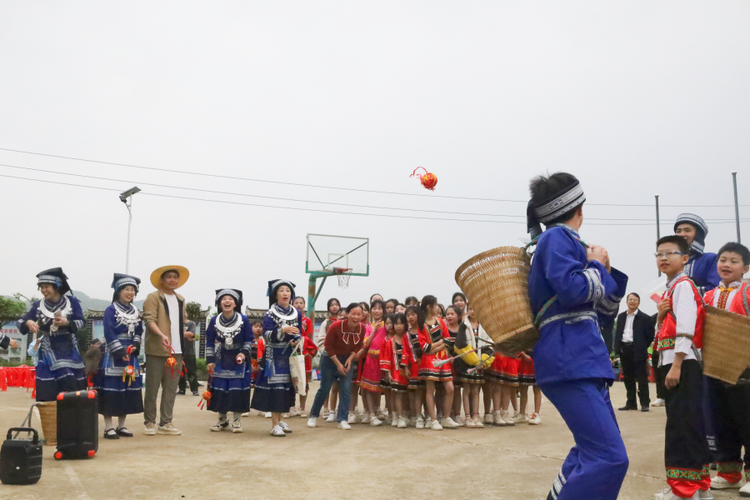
point(127, 198)
point(658, 229)
point(736, 207)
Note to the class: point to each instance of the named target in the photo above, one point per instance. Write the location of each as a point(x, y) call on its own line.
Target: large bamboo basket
point(496, 282)
point(726, 344)
point(48, 415)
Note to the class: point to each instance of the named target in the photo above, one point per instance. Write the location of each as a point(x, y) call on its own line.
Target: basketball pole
point(313, 292)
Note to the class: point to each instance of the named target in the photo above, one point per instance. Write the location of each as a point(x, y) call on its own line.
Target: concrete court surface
point(366, 463)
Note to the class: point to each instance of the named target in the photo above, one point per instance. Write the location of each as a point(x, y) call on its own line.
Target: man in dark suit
point(635, 333)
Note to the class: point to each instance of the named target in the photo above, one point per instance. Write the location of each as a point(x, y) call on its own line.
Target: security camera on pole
point(127, 198)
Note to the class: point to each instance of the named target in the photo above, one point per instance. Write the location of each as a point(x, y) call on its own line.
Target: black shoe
point(627, 407)
point(645, 408)
point(180, 393)
point(124, 432)
point(111, 434)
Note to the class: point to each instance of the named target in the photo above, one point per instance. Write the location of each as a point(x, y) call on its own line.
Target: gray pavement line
point(77, 485)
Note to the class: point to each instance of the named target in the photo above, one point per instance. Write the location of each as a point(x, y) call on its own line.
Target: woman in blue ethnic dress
point(229, 338)
point(274, 390)
point(119, 377)
point(55, 319)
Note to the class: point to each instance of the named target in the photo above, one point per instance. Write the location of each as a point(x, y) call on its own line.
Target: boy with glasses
point(679, 326)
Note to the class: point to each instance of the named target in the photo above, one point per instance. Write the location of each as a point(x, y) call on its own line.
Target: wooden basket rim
point(483, 255)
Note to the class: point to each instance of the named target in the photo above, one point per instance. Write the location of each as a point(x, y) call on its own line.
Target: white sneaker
point(435, 426)
point(658, 402)
point(705, 495)
point(470, 424)
point(268, 414)
point(344, 426)
point(498, 419)
point(394, 421)
point(535, 419)
point(720, 483)
point(668, 495)
point(520, 418)
point(325, 412)
point(401, 422)
point(449, 423)
point(382, 415)
point(428, 422)
point(412, 421)
point(220, 426)
point(312, 422)
point(285, 415)
point(478, 422)
point(461, 420)
point(331, 418)
point(237, 426)
point(303, 414)
point(375, 422)
point(150, 429)
point(488, 419)
point(169, 430)
point(419, 423)
point(352, 419)
point(278, 432)
point(745, 490)
point(294, 412)
point(246, 414)
point(367, 418)
point(507, 417)
point(285, 427)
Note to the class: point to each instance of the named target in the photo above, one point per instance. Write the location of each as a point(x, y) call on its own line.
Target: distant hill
point(98, 304)
point(89, 303)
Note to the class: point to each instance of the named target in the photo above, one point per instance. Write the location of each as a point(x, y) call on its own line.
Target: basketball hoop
point(341, 275)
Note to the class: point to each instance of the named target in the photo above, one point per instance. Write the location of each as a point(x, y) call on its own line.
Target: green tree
point(194, 311)
point(11, 308)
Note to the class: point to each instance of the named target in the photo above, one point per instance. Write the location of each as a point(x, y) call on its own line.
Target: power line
point(225, 193)
point(227, 202)
point(317, 186)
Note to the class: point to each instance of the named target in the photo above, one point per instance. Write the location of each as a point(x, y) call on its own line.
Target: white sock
point(107, 422)
point(121, 421)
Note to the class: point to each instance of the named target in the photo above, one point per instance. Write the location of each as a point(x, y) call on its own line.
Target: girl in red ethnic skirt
point(526, 379)
point(395, 365)
point(415, 325)
point(435, 348)
point(453, 317)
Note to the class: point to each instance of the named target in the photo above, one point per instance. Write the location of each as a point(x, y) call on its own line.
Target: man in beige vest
point(163, 314)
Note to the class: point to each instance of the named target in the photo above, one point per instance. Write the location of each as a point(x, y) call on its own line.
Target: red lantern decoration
point(204, 401)
point(171, 363)
point(206, 394)
point(128, 374)
point(428, 180)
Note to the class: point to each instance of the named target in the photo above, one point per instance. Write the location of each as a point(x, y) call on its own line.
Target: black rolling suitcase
point(77, 425)
point(21, 459)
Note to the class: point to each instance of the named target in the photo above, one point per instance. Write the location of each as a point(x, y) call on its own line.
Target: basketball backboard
point(326, 252)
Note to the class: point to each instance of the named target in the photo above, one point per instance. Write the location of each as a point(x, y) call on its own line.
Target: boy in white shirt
point(679, 341)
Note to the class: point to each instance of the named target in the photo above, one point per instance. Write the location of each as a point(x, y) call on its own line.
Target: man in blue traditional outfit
point(56, 319)
point(702, 270)
point(701, 267)
point(572, 290)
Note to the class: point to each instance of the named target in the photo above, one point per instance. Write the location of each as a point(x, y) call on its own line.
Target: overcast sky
point(635, 98)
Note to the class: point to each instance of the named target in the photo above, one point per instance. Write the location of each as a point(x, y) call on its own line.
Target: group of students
point(418, 357)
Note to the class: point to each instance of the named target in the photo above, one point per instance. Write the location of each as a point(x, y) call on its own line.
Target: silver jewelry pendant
point(228, 341)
